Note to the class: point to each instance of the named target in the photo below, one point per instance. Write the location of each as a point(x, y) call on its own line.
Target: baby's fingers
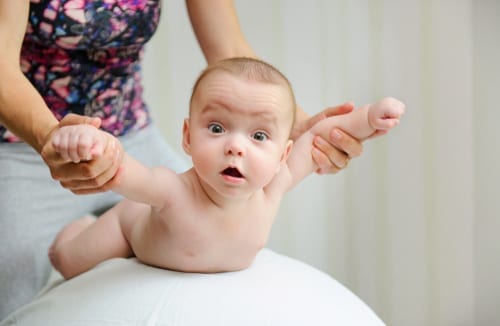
point(85, 144)
point(60, 144)
point(97, 150)
point(386, 124)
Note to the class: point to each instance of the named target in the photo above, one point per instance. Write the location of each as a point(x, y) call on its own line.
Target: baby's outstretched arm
point(362, 123)
point(79, 142)
point(134, 180)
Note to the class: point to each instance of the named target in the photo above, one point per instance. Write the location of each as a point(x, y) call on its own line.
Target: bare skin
point(217, 215)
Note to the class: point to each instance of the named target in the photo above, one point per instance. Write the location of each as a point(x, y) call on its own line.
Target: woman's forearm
point(22, 109)
point(217, 29)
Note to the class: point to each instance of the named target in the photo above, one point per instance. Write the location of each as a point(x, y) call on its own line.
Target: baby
point(217, 215)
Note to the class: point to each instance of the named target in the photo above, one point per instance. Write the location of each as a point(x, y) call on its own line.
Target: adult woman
point(83, 57)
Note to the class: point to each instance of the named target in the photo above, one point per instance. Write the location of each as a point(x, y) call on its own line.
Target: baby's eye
point(260, 136)
point(215, 128)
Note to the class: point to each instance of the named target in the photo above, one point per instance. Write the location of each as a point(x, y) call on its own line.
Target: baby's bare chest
point(214, 225)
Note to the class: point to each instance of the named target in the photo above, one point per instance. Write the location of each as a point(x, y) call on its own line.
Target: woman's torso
point(83, 56)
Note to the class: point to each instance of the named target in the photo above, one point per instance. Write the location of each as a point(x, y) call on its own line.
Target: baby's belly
point(201, 243)
point(191, 251)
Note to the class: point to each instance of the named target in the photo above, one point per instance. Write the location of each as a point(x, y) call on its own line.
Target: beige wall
point(412, 226)
point(486, 16)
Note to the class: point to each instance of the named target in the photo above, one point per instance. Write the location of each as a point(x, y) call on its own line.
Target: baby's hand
point(386, 113)
point(79, 142)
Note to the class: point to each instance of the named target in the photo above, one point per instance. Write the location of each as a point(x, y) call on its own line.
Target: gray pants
point(33, 208)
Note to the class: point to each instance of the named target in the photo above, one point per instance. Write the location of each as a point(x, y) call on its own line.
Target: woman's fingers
point(334, 155)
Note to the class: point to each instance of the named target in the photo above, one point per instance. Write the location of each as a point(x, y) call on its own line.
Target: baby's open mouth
point(232, 172)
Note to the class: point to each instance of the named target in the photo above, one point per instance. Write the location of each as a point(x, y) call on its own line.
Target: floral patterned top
point(83, 56)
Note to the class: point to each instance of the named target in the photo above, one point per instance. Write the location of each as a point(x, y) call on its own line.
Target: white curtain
point(411, 226)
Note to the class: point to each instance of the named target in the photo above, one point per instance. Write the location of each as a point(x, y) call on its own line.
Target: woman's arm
point(216, 26)
point(24, 112)
point(22, 109)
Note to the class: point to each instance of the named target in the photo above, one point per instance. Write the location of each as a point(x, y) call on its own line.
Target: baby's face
point(238, 132)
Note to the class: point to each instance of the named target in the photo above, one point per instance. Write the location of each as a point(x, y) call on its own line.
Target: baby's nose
point(235, 147)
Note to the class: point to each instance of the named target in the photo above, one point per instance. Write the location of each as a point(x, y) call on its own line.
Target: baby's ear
point(186, 140)
point(285, 154)
point(287, 151)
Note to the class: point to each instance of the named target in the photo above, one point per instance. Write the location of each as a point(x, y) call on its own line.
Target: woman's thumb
point(76, 119)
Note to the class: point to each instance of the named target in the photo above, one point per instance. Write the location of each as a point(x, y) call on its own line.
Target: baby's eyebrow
point(211, 107)
point(266, 117)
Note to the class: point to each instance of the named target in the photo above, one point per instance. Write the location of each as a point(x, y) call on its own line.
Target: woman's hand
point(333, 154)
point(87, 177)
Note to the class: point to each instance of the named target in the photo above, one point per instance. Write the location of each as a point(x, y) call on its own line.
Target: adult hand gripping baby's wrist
point(85, 177)
point(334, 155)
point(99, 174)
